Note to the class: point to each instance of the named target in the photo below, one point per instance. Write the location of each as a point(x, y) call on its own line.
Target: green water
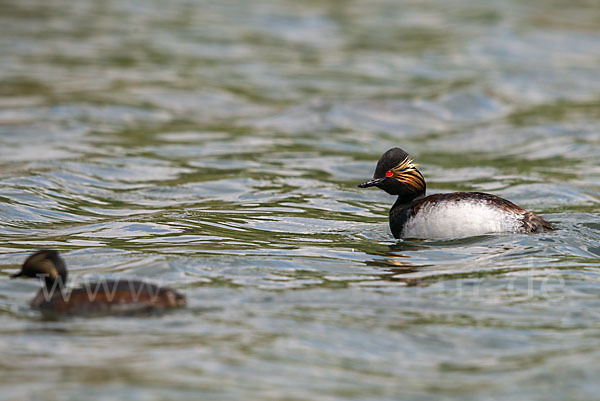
point(215, 147)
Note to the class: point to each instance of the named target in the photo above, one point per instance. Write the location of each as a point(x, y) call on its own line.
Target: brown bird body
point(103, 296)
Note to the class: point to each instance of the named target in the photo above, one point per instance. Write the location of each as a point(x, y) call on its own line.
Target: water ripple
point(216, 147)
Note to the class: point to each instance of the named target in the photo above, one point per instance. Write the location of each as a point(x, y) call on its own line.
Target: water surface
point(215, 147)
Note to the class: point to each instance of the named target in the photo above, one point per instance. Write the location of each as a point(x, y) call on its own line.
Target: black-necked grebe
point(109, 296)
point(456, 214)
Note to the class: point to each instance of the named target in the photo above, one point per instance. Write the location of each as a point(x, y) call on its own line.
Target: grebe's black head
point(396, 174)
point(45, 264)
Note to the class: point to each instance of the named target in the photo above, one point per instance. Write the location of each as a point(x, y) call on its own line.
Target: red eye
point(389, 173)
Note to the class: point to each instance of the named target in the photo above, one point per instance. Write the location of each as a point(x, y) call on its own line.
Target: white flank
point(463, 218)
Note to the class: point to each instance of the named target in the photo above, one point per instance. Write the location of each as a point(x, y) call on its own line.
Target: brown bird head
point(45, 264)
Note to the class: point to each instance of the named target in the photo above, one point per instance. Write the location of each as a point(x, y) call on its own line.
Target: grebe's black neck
point(406, 201)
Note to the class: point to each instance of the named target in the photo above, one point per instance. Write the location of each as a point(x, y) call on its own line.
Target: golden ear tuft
point(407, 173)
point(404, 166)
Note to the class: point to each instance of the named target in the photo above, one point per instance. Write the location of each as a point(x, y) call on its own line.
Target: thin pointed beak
point(371, 183)
point(19, 274)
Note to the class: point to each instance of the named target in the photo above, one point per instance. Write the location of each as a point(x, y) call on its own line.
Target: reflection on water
point(215, 147)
